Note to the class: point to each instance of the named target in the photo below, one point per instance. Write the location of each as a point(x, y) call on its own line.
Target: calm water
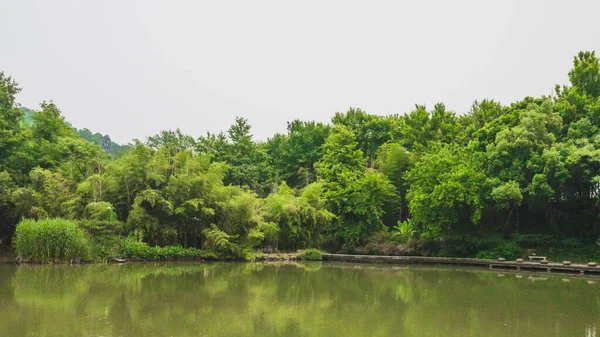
point(313, 299)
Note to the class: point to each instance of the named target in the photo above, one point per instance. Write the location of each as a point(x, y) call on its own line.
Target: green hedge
point(50, 240)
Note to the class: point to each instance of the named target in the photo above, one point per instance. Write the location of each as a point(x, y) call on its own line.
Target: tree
point(446, 187)
point(300, 220)
point(395, 161)
point(294, 155)
point(10, 122)
point(370, 131)
point(507, 196)
point(7, 207)
point(341, 161)
point(356, 195)
point(249, 162)
point(215, 145)
point(585, 74)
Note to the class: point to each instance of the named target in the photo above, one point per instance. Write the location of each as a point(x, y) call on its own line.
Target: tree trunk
point(507, 224)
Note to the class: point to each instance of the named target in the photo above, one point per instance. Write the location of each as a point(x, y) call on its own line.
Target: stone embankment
point(279, 257)
point(551, 267)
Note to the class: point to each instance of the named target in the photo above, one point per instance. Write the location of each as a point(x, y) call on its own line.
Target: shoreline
point(8, 256)
point(495, 265)
point(551, 267)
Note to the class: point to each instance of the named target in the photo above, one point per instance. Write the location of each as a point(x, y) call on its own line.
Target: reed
point(50, 240)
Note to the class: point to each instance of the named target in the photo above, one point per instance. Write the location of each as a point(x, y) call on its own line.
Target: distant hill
point(28, 119)
point(103, 140)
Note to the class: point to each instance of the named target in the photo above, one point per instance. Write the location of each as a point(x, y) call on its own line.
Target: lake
point(304, 299)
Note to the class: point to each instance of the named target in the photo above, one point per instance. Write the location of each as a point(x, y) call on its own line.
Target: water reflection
point(312, 299)
point(590, 331)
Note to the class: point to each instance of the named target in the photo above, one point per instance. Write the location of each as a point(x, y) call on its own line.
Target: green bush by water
point(60, 240)
point(508, 250)
point(311, 254)
point(138, 250)
point(50, 240)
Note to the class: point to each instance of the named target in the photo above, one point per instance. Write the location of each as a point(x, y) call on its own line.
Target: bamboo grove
point(529, 167)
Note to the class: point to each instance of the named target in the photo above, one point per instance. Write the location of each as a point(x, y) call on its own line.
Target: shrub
point(136, 249)
point(404, 230)
point(570, 243)
point(384, 243)
point(535, 240)
point(50, 240)
point(469, 246)
point(97, 227)
point(106, 247)
point(311, 254)
point(508, 250)
point(217, 240)
point(223, 245)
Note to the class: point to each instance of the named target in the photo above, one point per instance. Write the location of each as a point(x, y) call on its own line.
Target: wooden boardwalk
point(551, 267)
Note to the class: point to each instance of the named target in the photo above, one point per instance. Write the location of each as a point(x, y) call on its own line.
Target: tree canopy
point(529, 167)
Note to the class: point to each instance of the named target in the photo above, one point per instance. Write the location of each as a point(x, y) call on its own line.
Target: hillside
point(103, 140)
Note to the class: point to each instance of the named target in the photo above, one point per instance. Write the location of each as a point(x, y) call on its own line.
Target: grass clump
point(310, 254)
point(50, 240)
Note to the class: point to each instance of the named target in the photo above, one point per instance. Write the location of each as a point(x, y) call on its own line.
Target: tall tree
point(10, 122)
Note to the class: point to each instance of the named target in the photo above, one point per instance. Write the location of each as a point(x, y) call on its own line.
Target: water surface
point(312, 299)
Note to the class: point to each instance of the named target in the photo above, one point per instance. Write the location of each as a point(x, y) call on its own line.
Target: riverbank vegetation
point(497, 180)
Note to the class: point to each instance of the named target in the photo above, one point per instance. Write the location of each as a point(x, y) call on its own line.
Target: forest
point(487, 182)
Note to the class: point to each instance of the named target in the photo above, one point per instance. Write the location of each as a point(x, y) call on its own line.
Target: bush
point(384, 243)
point(570, 243)
point(97, 227)
point(106, 241)
point(508, 250)
point(579, 252)
point(138, 250)
point(404, 231)
point(50, 240)
point(535, 240)
point(106, 247)
point(311, 254)
point(468, 246)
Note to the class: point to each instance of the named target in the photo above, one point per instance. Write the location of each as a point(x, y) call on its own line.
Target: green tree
point(370, 131)
point(294, 155)
point(249, 162)
point(10, 121)
point(446, 188)
point(395, 161)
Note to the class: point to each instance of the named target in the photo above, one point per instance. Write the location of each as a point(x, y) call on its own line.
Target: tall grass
point(50, 240)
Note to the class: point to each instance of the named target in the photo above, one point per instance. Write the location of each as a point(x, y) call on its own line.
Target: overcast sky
point(133, 68)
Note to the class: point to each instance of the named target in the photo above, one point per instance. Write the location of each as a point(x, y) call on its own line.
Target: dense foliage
point(311, 254)
point(50, 240)
point(532, 167)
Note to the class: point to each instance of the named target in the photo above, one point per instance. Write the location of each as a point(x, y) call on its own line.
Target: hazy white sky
point(133, 68)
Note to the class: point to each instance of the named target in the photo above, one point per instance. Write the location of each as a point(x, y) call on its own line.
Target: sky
point(133, 68)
